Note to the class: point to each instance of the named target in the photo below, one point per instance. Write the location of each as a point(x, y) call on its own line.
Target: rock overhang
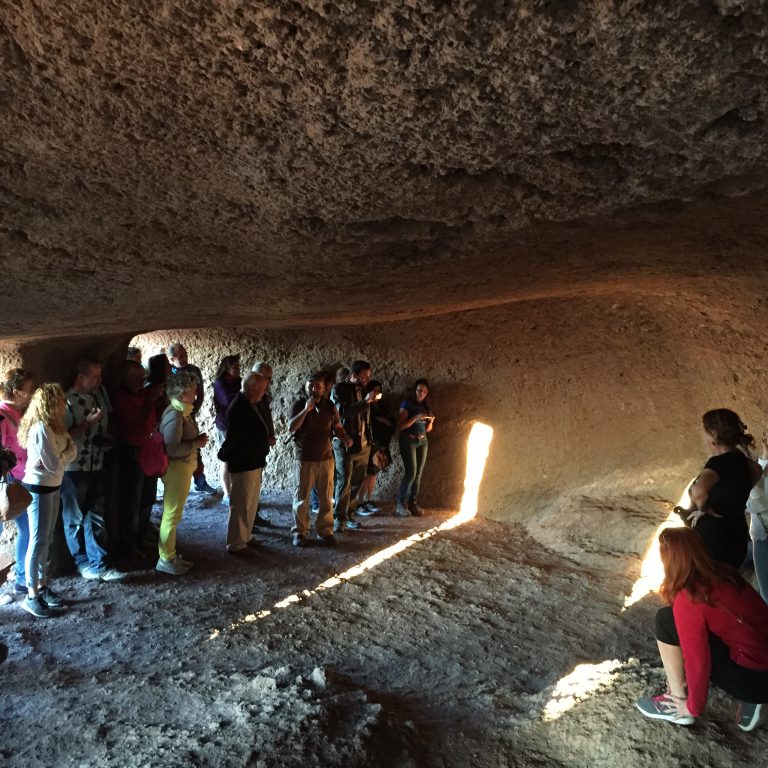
point(266, 165)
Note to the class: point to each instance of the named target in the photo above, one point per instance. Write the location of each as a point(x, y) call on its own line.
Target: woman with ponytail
point(721, 490)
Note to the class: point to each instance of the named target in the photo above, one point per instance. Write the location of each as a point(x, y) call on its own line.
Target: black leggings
point(750, 685)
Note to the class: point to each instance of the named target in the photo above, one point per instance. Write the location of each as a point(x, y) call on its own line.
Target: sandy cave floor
point(445, 655)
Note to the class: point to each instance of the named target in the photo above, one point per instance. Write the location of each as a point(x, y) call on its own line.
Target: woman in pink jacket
point(17, 388)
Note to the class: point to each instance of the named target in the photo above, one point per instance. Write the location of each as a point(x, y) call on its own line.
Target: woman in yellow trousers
point(182, 439)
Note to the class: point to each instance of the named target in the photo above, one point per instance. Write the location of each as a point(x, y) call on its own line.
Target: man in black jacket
point(352, 461)
point(245, 451)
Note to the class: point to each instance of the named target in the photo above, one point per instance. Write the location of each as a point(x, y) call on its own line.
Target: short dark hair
point(14, 379)
point(359, 365)
point(84, 364)
point(132, 352)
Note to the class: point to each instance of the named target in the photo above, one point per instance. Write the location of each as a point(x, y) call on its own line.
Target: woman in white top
point(757, 506)
point(49, 449)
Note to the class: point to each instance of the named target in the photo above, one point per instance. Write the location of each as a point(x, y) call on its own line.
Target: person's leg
point(22, 546)
point(305, 473)
point(672, 661)
point(356, 479)
point(226, 478)
point(420, 459)
point(408, 455)
point(324, 485)
point(74, 488)
point(148, 496)
point(51, 502)
point(366, 488)
point(343, 463)
point(253, 492)
point(760, 557)
point(130, 484)
point(94, 526)
point(38, 530)
point(237, 536)
point(176, 485)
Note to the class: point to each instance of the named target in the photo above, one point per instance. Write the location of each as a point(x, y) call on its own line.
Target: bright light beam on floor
point(578, 685)
point(478, 446)
point(651, 569)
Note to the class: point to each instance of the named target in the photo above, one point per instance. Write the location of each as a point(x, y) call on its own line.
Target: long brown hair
point(688, 566)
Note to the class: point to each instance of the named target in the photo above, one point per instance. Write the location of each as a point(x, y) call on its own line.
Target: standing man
point(313, 420)
point(265, 409)
point(352, 460)
point(83, 489)
point(245, 450)
point(180, 362)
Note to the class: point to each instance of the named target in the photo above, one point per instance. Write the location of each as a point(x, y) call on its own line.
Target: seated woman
point(721, 490)
point(714, 628)
point(415, 420)
point(226, 386)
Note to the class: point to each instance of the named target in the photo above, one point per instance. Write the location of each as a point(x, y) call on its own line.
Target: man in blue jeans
point(351, 459)
point(83, 489)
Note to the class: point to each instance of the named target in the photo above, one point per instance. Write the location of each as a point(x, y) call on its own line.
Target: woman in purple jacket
point(226, 385)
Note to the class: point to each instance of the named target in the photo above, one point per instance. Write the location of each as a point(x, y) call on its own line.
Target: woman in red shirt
point(714, 628)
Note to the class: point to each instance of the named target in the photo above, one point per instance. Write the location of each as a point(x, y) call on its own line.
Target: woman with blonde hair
point(714, 628)
point(182, 440)
point(17, 389)
point(49, 449)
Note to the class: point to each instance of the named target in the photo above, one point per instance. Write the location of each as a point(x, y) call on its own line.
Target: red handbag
point(152, 456)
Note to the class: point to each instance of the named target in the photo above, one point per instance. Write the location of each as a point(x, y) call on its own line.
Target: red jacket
point(739, 617)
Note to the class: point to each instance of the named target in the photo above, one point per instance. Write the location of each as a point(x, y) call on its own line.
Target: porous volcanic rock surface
point(555, 211)
point(196, 164)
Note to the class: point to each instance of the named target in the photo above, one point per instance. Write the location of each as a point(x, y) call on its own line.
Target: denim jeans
point(350, 473)
point(22, 545)
point(82, 496)
point(414, 455)
point(41, 514)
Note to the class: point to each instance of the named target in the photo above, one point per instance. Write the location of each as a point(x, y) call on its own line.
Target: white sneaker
point(111, 574)
point(172, 567)
point(88, 573)
point(402, 510)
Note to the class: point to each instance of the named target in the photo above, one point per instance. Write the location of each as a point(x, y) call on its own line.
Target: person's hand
point(202, 440)
point(94, 416)
point(348, 442)
point(679, 705)
point(372, 396)
point(311, 404)
point(272, 441)
point(697, 514)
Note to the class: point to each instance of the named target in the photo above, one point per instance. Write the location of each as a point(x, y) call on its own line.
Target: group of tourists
point(714, 628)
point(59, 446)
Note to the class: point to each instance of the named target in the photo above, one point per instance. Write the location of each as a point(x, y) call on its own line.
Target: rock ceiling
point(167, 164)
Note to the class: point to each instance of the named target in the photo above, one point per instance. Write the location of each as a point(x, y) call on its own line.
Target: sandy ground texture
point(451, 653)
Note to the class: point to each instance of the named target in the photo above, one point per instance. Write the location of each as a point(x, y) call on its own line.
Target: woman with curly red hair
point(714, 629)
